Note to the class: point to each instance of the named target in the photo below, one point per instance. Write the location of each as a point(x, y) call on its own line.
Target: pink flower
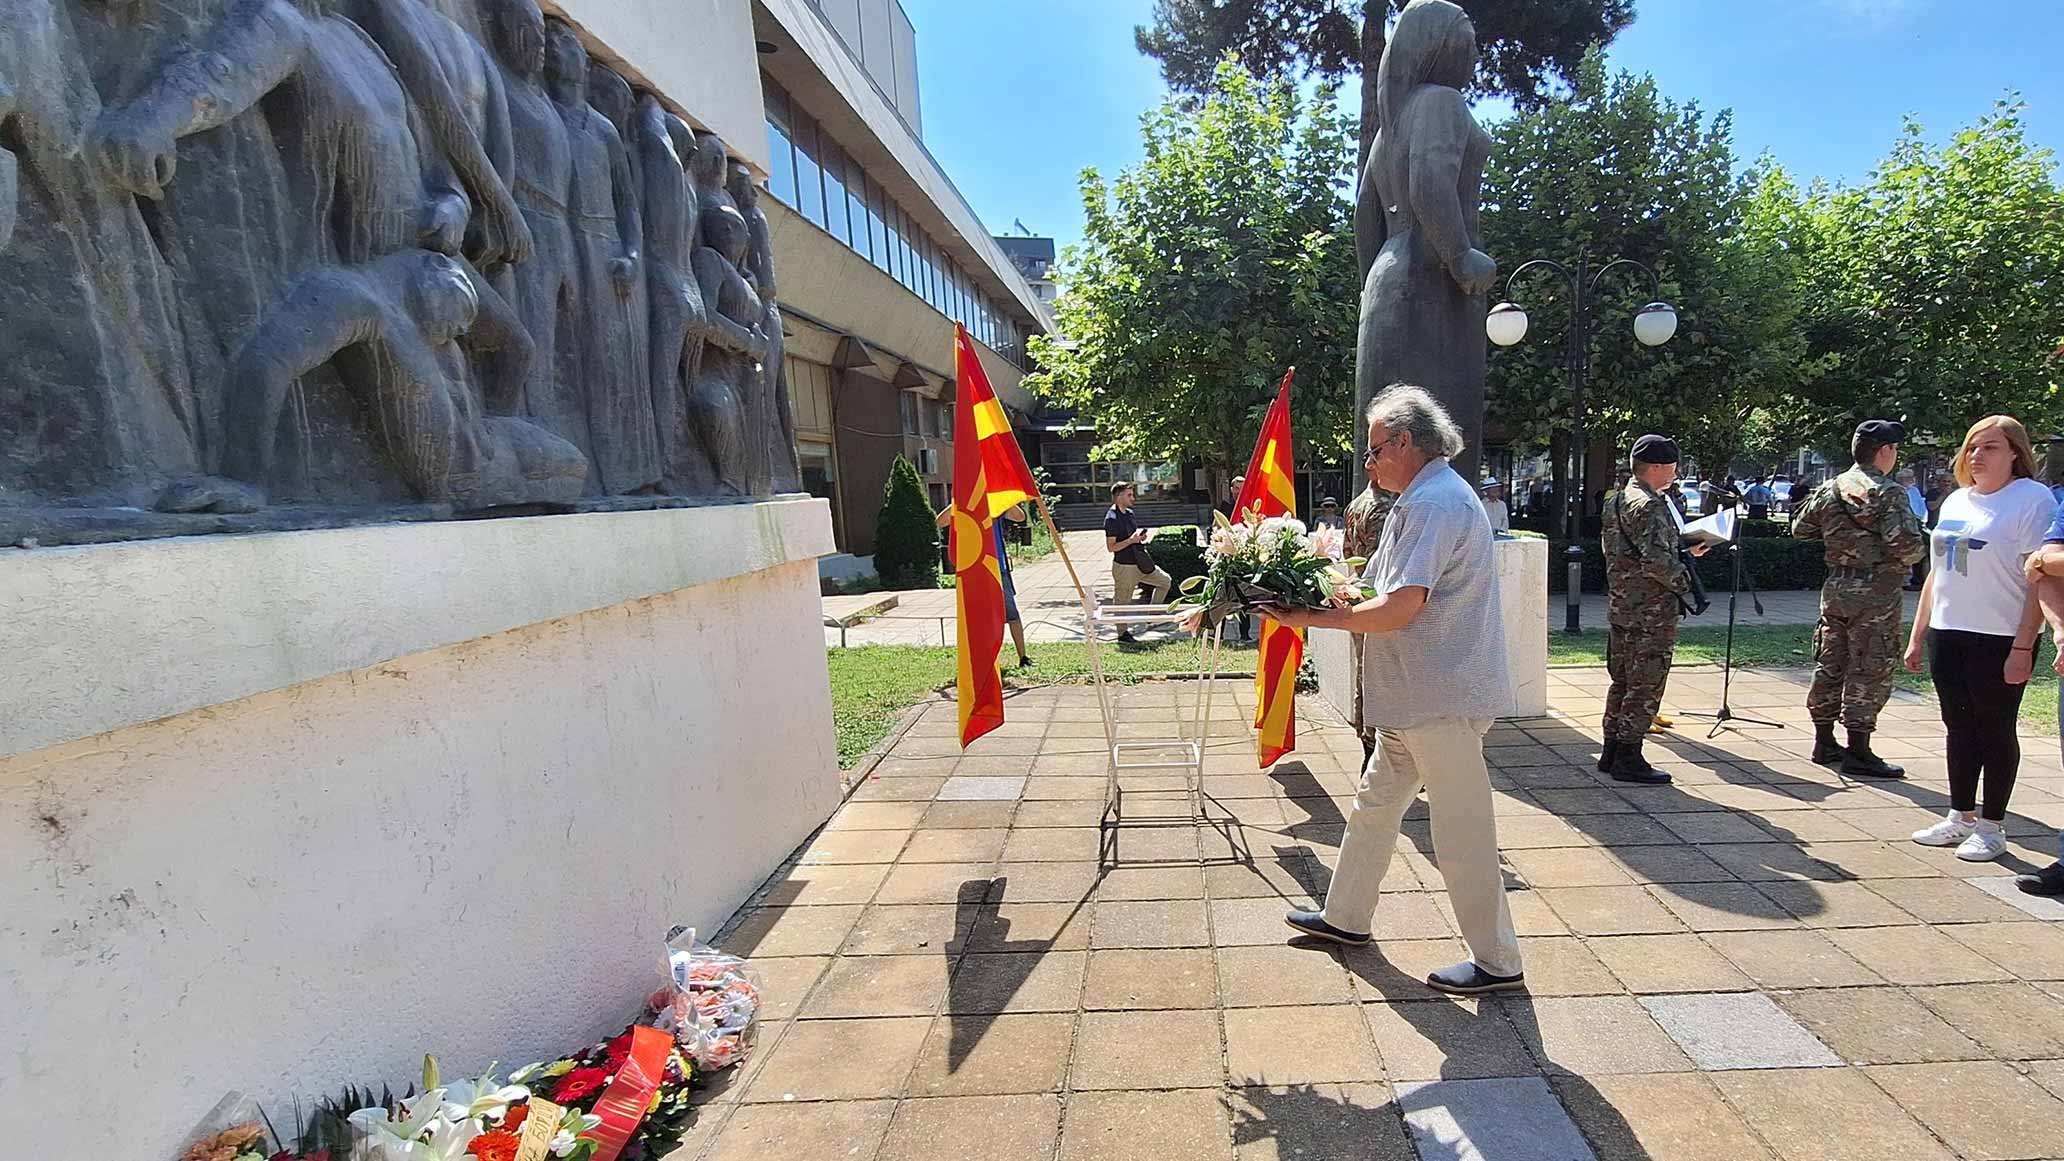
point(1328, 542)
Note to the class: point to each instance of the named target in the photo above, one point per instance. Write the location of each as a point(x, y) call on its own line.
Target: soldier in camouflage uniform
point(1867, 526)
point(1365, 516)
point(1644, 576)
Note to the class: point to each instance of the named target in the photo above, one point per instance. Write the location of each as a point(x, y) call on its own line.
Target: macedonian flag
point(989, 479)
point(1270, 491)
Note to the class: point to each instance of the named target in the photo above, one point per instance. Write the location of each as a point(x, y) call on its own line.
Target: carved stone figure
point(772, 417)
point(735, 348)
point(1423, 302)
point(610, 237)
point(660, 145)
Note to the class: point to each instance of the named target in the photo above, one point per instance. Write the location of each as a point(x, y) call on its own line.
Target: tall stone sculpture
point(662, 142)
point(735, 347)
point(771, 415)
point(1423, 303)
point(611, 241)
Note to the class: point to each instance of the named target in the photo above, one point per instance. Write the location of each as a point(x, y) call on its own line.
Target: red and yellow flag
point(989, 479)
point(1271, 491)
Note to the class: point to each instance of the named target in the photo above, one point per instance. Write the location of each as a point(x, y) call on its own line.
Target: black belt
point(1844, 572)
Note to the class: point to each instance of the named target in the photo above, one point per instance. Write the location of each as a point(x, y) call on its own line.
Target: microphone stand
point(1725, 717)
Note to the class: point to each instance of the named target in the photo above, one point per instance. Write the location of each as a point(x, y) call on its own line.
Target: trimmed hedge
point(1176, 549)
point(906, 541)
point(1768, 565)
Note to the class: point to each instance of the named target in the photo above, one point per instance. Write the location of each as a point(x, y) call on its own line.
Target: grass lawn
point(1789, 646)
point(871, 684)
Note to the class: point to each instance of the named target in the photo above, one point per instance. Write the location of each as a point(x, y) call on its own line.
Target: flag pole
point(1061, 546)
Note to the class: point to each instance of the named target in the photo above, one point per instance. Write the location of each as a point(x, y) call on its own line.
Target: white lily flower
point(391, 1140)
point(466, 1099)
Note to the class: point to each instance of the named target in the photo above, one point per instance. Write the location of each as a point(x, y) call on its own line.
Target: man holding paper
point(1644, 577)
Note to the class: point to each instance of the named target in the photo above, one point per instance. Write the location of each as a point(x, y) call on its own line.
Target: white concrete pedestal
point(1523, 597)
point(287, 811)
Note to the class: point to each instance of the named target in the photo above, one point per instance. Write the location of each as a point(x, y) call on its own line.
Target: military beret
point(1881, 431)
point(1656, 449)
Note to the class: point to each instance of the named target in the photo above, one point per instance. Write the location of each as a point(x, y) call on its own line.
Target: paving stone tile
point(1317, 1122)
point(1649, 964)
point(1507, 1119)
point(2049, 1074)
point(1157, 1049)
point(1738, 1030)
point(1877, 1026)
point(1285, 875)
point(1593, 1035)
point(972, 1128)
point(1531, 915)
point(1657, 1117)
point(1943, 900)
point(876, 816)
point(1714, 826)
point(1791, 959)
point(784, 981)
point(820, 1060)
point(816, 1131)
point(1624, 830)
point(1724, 907)
point(1515, 834)
point(911, 929)
point(879, 985)
point(1136, 883)
point(1280, 975)
point(1042, 786)
point(1146, 1126)
point(1300, 1045)
point(1052, 845)
point(1834, 904)
point(1032, 927)
point(1017, 982)
point(969, 1054)
point(2003, 889)
point(855, 846)
point(934, 882)
point(1811, 826)
point(1408, 915)
point(804, 886)
point(969, 814)
point(1168, 923)
point(1763, 862)
point(1429, 1039)
point(1563, 966)
point(898, 789)
point(1610, 910)
point(1250, 922)
point(2013, 1021)
point(982, 788)
point(1043, 882)
point(774, 931)
point(1668, 864)
point(1567, 867)
point(2032, 950)
point(1985, 1110)
point(1397, 969)
point(1058, 812)
point(1151, 978)
point(1916, 955)
point(1825, 1114)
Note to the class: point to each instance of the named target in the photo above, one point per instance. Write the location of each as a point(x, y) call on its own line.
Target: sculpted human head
point(610, 94)
point(441, 298)
point(517, 28)
point(566, 61)
point(1433, 43)
point(739, 183)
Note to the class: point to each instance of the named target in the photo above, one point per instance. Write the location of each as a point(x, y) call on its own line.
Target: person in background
point(1869, 537)
point(1759, 497)
point(1494, 506)
point(1243, 623)
point(1918, 504)
point(1435, 645)
point(1366, 515)
point(1011, 616)
point(2045, 569)
point(1644, 576)
point(1131, 566)
point(1675, 494)
point(1329, 514)
point(1978, 622)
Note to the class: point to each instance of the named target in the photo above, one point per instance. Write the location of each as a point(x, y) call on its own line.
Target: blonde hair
point(2017, 439)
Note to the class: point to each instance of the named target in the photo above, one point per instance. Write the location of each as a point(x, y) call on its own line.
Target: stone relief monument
point(287, 263)
point(1423, 303)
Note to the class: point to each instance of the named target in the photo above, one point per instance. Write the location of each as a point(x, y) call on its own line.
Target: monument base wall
point(1522, 597)
point(473, 847)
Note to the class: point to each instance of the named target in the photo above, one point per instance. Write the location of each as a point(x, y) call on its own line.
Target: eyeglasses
point(1376, 449)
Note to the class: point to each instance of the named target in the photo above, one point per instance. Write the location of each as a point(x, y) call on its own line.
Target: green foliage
point(1617, 170)
point(1224, 257)
point(1768, 565)
point(906, 541)
point(1177, 552)
point(1935, 287)
point(1526, 44)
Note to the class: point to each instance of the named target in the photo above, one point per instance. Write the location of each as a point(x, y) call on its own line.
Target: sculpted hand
point(623, 272)
point(134, 153)
point(509, 234)
point(444, 224)
point(1475, 272)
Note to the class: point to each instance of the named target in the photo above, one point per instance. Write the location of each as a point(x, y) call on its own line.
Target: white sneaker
point(1988, 841)
point(1947, 833)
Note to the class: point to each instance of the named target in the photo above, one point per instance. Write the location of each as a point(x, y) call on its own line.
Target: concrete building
point(879, 255)
point(1034, 257)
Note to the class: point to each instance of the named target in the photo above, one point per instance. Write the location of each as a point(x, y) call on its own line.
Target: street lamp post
point(1653, 325)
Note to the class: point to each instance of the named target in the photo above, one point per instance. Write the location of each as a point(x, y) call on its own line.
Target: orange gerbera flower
point(499, 1145)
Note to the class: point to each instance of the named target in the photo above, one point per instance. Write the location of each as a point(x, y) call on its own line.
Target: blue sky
point(1019, 95)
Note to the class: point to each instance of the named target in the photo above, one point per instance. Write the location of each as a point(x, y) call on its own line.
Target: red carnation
point(580, 1084)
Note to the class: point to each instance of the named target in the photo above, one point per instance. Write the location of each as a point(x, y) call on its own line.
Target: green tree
point(1617, 170)
point(1224, 257)
point(1937, 287)
point(906, 541)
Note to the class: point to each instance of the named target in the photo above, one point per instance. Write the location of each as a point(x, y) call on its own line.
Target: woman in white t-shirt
point(1979, 619)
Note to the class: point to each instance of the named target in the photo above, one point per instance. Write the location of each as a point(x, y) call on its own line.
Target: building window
point(945, 413)
point(834, 161)
point(878, 227)
point(856, 203)
point(910, 415)
point(781, 174)
point(809, 175)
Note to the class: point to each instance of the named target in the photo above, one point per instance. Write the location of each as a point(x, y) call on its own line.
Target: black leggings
point(1981, 711)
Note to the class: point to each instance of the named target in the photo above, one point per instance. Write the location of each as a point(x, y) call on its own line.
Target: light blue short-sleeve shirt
point(1450, 661)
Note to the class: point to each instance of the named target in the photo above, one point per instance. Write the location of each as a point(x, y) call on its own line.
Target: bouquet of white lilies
point(1254, 563)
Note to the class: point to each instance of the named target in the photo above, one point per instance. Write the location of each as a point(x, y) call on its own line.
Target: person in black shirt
point(1243, 623)
point(1131, 566)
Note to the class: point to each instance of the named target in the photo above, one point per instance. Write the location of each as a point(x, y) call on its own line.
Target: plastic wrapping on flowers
point(711, 1002)
point(1256, 562)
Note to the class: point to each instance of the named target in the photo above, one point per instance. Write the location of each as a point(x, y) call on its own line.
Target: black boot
point(1629, 766)
point(1605, 757)
point(1827, 751)
point(1859, 762)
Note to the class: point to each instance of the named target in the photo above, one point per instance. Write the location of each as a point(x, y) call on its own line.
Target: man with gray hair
point(1433, 661)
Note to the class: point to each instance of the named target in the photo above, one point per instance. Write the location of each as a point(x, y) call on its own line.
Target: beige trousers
point(1126, 580)
point(1446, 757)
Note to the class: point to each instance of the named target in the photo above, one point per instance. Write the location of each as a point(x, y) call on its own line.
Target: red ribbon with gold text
point(623, 1104)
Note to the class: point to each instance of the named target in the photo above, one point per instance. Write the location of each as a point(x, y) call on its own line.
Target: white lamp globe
point(1655, 324)
point(1507, 323)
